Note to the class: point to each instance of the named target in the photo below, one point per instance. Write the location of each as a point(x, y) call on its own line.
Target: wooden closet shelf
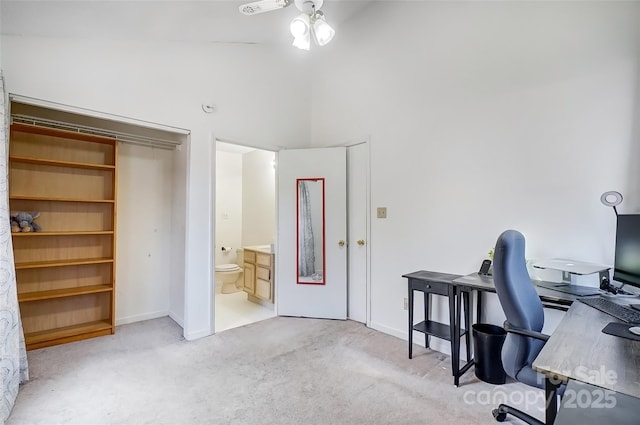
point(61, 263)
point(67, 334)
point(44, 199)
point(73, 233)
point(57, 163)
point(71, 179)
point(61, 293)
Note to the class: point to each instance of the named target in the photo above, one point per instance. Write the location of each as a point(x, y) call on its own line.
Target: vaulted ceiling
point(178, 20)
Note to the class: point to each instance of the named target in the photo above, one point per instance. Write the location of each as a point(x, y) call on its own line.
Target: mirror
point(310, 231)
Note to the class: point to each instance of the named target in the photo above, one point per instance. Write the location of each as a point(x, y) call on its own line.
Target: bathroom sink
point(266, 248)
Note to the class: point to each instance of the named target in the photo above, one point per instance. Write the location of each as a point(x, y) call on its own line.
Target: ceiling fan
point(310, 20)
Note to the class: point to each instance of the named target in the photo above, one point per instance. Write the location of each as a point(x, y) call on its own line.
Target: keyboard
point(618, 311)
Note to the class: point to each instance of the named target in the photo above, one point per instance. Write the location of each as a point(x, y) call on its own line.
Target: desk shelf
point(437, 329)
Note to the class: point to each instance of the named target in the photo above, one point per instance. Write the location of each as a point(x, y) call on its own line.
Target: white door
point(358, 207)
point(310, 299)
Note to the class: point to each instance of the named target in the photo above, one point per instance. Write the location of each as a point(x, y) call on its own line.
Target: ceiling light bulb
point(323, 31)
point(303, 42)
point(300, 25)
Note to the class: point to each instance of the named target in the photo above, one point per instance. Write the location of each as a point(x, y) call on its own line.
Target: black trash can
point(487, 347)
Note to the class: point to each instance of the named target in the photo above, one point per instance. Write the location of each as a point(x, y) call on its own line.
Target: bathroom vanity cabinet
point(259, 273)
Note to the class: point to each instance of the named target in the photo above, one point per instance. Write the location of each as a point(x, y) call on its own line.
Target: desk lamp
point(610, 199)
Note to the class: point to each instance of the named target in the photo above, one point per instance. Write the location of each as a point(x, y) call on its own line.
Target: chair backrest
point(519, 299)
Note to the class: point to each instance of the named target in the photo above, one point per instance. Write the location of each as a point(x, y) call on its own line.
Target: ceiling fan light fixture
point(323, 31)
point(310, 20)
point(300, 25)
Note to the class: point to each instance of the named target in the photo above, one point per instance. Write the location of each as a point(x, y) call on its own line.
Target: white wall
point(484, 116)
point(167, 83)
point(228, 205)
point(245, 201)
point(145, 189)
point(258, 198)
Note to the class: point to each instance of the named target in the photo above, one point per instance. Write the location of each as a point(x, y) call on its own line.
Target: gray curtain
point(13, 355)
point(306, 249)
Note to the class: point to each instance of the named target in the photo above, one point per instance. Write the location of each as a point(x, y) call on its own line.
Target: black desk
point(465, 285)
point(481, 283)
point(434, 283)
point(578, 350)
point(587, 404)
point(458, 289)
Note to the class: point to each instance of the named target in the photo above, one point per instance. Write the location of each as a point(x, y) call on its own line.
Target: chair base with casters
point(500, 414)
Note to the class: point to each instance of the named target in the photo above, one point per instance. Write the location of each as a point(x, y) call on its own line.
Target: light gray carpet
point(278, 371)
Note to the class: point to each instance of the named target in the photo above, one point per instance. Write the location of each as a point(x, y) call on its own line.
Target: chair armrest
point(525, 332)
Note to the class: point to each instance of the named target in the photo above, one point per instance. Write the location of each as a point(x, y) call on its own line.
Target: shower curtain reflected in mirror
point(307, 256)
point(310, 230)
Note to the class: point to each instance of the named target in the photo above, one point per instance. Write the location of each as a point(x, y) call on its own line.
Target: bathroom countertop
point(260, 248)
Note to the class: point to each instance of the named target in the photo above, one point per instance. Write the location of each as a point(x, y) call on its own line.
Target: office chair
point(525, 318)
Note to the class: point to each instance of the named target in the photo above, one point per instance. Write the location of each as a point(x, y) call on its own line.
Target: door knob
point(341, 243)
point(360, 242)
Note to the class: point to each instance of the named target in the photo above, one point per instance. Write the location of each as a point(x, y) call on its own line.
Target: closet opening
point(148, 277)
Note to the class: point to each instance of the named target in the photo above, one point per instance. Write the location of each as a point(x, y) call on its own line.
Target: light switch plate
point(382, 212)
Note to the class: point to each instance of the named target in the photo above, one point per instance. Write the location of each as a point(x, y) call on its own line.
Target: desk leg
point(410, 319)
point(427, 303)
point(454, 324)
point(479, 307)
point(551, 397)
point(467, 322)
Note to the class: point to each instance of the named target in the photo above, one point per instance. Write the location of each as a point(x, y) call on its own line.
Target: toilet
point(229, 277)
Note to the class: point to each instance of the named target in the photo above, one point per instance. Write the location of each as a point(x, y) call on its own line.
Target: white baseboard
point(140, 317)
point(436, 344)
point(389, 331)
point(197, 335)
point(175, 318)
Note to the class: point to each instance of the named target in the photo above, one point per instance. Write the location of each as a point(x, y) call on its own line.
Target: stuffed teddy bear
point(24, 222)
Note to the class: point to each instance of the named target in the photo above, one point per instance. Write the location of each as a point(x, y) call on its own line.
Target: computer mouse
point(635, 330)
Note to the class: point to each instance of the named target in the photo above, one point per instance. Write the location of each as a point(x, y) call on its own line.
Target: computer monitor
point(626, 268)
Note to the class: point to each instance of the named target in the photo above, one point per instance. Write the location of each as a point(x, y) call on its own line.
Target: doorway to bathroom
point(245, 226)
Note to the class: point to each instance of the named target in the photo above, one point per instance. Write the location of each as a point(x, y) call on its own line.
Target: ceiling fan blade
point(263, 6)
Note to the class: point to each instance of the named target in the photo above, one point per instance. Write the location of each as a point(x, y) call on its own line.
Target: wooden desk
point(579, 350)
